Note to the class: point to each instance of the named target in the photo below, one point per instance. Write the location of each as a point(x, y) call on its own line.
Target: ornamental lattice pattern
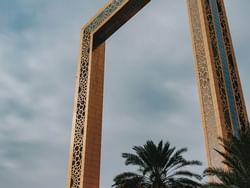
point(83, 80)
point(220, 82)
point(102, 17)
point(80, 114)
point(232, 65)
point(208, 112)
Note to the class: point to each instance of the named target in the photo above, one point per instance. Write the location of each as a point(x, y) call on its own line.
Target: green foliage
point(237, 158)
point(159, 166)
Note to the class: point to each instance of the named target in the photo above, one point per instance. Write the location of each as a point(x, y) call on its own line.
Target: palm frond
point(159, 165)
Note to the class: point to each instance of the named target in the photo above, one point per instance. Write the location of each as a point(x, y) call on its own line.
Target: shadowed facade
point(221, 97)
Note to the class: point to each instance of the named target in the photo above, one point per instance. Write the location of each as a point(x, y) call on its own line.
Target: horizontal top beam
point(111, 18)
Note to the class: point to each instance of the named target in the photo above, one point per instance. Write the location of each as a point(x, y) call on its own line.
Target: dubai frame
point(222, 103)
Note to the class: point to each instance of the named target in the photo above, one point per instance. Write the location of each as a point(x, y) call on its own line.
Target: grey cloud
point(150, 91)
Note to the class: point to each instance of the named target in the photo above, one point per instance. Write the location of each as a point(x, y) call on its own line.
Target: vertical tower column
point(222, 103)
point(93, 130)
point(85, 149)
point(84, 166)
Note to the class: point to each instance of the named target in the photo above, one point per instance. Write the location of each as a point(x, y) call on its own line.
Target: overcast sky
point(150, 89)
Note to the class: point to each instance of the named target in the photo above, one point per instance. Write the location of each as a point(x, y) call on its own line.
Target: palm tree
point(236, 157)
point(159, 166)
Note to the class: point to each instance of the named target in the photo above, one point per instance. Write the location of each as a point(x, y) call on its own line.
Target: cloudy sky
point(150, 89)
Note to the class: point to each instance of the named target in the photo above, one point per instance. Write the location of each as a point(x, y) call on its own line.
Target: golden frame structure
point(84, 162)
point(221, 97)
